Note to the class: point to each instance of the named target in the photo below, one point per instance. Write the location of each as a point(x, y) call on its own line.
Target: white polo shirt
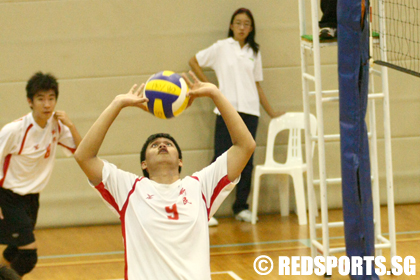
point(165, 227)
point(27, 153)
point(237, 69)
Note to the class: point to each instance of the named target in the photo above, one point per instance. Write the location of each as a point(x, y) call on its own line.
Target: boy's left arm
point(243, 144)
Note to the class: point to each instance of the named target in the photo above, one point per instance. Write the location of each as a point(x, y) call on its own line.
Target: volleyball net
point(396, 29)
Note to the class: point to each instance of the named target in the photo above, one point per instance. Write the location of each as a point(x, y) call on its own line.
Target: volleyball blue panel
point(353, 68)
point(167, 105)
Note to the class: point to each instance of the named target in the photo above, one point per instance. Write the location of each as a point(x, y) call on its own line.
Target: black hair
point(251, 36)
point(41, 82)
point(151, 139)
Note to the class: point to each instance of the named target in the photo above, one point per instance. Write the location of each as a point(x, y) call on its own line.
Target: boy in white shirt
point(165, 219)
point(27, 154)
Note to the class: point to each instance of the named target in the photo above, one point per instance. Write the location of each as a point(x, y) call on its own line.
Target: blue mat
point(353, 68)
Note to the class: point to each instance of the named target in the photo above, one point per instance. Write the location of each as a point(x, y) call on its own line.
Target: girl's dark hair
point(41, 82)
point(151, 139)
point(251, 36)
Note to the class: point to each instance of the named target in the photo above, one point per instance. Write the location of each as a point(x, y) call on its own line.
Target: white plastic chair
point(294, 165)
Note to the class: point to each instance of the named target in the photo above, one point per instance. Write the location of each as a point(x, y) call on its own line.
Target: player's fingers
point(133, 88)
point(187, 80)
point(192, 92)
point(194, 77)
point(1, 215)
point(197, 90)
point(58, 115)
point(139, 100)
point(139, 90)
point(142, 104)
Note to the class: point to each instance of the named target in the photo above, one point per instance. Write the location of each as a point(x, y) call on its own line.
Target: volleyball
point(167, 94)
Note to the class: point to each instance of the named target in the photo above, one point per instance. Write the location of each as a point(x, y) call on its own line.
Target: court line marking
point(86, 262)
point(305, 242)
point(89, 262)
point(81, 255)
point(230, 273)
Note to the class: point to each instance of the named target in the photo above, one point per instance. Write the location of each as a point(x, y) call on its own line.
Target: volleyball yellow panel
point(163, 86)
point(158, 109)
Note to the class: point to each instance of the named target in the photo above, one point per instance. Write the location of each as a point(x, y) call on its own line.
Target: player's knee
point(8, 273)
point(10, 253)
point(25, 261)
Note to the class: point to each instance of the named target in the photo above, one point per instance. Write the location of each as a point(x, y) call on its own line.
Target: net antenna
point(396, 24)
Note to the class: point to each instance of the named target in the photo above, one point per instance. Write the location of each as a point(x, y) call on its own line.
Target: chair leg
point(300, 196)
point(284, 196)
point(255, 195)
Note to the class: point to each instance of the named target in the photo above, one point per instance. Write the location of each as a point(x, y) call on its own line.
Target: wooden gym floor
point(96, 252)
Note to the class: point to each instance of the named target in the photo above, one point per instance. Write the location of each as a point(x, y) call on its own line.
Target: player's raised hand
point(198, 88)
point(62, 116)
point(134, 97)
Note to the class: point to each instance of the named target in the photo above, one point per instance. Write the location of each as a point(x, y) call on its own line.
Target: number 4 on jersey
point(172, 210)
point(48, 152)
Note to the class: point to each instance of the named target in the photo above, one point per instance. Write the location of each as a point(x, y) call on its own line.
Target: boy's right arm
point(87, 151)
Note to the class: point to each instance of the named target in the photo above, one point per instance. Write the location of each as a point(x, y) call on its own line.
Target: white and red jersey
point(27, 153)
point(165, 227)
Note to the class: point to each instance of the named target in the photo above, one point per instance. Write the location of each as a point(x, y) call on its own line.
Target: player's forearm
point(89, 146)
point(76, 136)
point(243, 143)
point(86, 153)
